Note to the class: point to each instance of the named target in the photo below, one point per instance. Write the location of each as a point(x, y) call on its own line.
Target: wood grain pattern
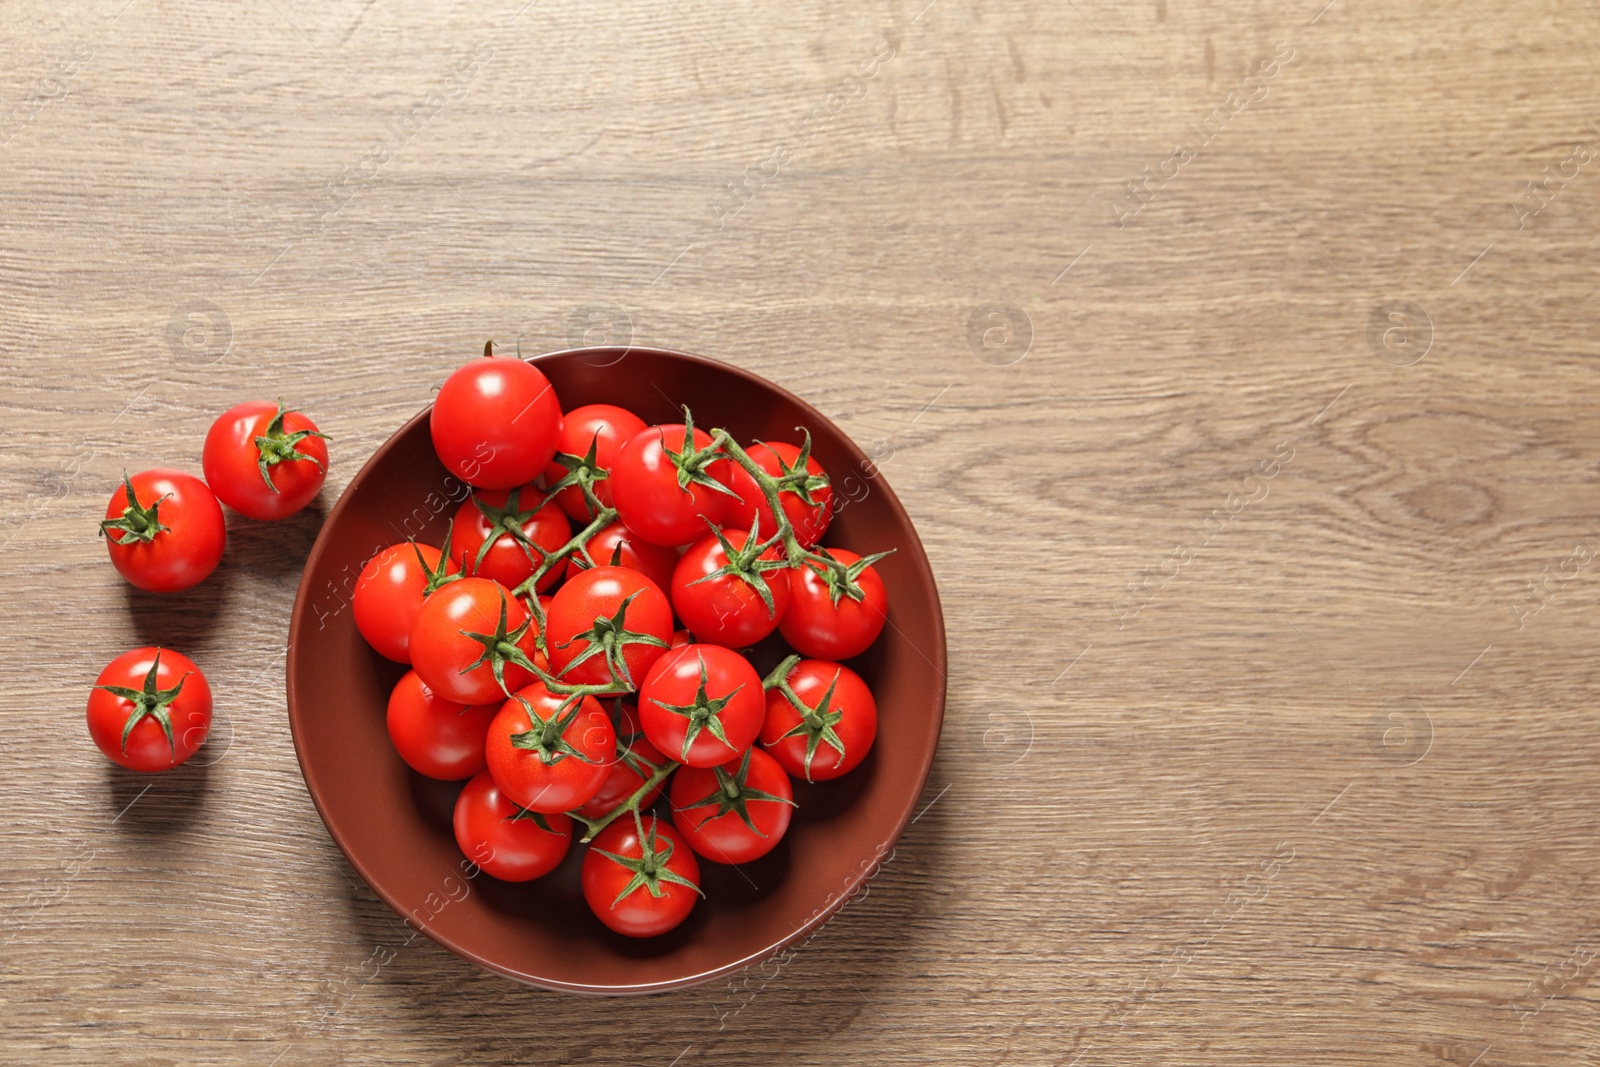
point(1238, 769)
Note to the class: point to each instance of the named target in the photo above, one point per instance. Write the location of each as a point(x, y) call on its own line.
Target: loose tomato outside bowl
point(394, 826)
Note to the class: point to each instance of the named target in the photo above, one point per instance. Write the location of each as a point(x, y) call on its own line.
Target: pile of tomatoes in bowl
point(579, 641)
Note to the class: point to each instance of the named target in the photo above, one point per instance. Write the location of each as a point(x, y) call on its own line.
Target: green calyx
point(610, 637)
point(138, 524)
point(650, 869)
point(500, 648)
point(692, 462)
point(149, 701)
point(745, 564)
point(798, 478)
point(840, 578)
point(275, 446)
point(583, 472)
point(733, 794)
point(548, 737)
point(816, 724)
point(440, 575)
point(528, 813)
point(704, 712)
point(506, 521)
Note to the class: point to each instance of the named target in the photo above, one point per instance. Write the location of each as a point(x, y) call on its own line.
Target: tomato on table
point(590, 438)
point(734, 813)
point(832, 616)
point(667, 485)
point(640, 878)
point(473, 642)
point(390, 591)
point(637, 761)
point(729, 592)
point(617, 546)
point(508, 842)
point(500, 534)
point(164, 530)
point(263, 460)
point(821, 718)
point(702, 705)
point(495, 422)
point(607, 626)
point(150, 709)
point(549, 752)
point(801, 479)
point(437, 738)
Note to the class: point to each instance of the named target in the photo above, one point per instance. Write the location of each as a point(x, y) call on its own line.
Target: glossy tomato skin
point(389, 594)
point(441, 650)
point(818, 629)
point(437, 738)
point(639, 914)
point(637, 554)
point(809, 523)
point(725, 610)
point(503, 839)
point(633, 750)
point(508, 561)
point(724, 837)
point(605, 426)
point(147, 748)
point(495, 422)
point(231, 456)
point(856, 727)
point(600, 593)
point(186, 552)
point(523, 774)
point(675, 681)
point(644, 485)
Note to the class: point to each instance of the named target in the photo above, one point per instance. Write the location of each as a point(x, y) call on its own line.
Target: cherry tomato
point(548, 752)
point(637, 554)
point(164, 530)
point(607, 626)
point(507, 841)
point(390, 591)
point(645, 484)
point(681, 638)
point(783, 461)
point(436, 737)
point(637, 761)
point(717, 589)
point(499, 533)
point(702, 705)
point(263, 460)
point(590, 438)
point(734, 813)
point(640, 884)
point(822, 627)
point(150, 709)
point(825, 723)
point(473, 642)
point(495, 422)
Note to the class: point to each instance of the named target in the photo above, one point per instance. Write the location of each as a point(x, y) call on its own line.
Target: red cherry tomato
point(549, 753)
point(606, 626)
point(640, 885)
point(644, 485)
point(702, 705)
point(495, 422)
point(164, 530)
point(150, 709)
point(782, 461)
point(390, 591)
point(436, 737)
point(734, 813)
point(598, 428)
point(637, 761)
point(636, 554)
point(681, 638)
point(467, 631)
point(508, 842)
point(825, 725)
point(514, 527)
point(718, 597)
point(821, 629)
point(264, 461)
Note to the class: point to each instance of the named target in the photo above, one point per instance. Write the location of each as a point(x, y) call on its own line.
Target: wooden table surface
point(1236, 362)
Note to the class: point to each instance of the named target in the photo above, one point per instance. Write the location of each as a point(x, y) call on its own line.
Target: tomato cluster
point(580, 641)
point(165, 532)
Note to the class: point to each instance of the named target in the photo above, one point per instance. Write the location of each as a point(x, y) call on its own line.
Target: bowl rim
point(940, 659)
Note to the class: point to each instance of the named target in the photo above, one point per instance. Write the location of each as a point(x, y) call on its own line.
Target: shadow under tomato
point(186, 622)
point(275, 548)
point(162, 803)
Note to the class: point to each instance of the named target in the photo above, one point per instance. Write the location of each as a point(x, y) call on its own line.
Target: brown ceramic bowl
point(395, 826)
